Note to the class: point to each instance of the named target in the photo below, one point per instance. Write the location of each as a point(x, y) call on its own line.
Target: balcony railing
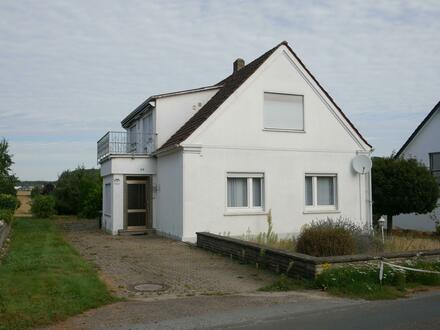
point(125, 143)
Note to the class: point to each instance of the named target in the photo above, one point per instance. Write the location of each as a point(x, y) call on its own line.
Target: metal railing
point(125, 143)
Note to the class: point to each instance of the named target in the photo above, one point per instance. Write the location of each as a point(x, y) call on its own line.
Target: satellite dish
point(362, 164)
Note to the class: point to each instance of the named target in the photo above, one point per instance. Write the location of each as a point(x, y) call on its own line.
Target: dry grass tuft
point(408, 243)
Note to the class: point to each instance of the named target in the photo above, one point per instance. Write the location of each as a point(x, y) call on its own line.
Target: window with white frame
point(434, 165)
point(283, 111)
point(321, 191)
point(108, 199)
point(245, 191)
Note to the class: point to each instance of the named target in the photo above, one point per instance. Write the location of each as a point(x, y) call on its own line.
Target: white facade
point(191, 190)
point(425, 142)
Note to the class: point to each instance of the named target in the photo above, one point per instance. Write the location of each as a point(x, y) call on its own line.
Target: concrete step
point(134, 232)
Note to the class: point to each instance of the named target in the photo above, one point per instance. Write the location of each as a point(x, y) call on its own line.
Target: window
point(321, 191)
point(245, 191)
point(283, 111)
point(434, 165)
point(108, 199)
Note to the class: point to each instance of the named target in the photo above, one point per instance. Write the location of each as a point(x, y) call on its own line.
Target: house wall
point(174, 111)
point(113, 221)
point(426, 141)
point(205, 190)
point(169, 217)
point(233, 140)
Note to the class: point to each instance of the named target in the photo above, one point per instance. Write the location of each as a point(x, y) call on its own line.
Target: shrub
point(8, 202)
point(73, 190)
point(43, 206)
point(328, 238)
point(6, 215)
point(92, 204)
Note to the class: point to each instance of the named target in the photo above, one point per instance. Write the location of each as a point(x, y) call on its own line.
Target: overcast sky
point(71, 70)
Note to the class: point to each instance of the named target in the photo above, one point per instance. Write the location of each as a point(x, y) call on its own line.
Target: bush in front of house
point(43, 206)
point(8, 202)
point(328, 237)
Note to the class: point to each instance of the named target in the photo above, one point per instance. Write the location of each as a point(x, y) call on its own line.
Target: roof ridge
point(250, 63)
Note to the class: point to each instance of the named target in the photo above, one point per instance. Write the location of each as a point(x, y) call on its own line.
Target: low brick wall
point(292, 263)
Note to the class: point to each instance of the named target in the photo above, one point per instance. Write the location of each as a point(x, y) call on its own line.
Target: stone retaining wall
point(292, 263)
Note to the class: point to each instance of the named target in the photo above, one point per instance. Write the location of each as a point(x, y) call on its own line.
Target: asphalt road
point(421, 311)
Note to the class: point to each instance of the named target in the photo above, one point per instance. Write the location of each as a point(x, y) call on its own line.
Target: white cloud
point(75, 68)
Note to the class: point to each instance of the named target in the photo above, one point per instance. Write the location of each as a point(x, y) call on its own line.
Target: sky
point(71, 70)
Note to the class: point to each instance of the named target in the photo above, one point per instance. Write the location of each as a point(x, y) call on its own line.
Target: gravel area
point(125, 262)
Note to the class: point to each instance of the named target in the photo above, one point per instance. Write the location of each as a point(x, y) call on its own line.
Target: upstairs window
point(283, 111)
point(434, 165)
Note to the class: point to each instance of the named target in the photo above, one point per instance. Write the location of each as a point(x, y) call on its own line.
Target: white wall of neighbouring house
point(233, 139)
point(169, 198)
point(174, 111)
point(425, 142)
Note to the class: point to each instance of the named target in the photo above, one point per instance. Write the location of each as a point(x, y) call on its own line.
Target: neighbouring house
point(424, 145)
point(218, 158)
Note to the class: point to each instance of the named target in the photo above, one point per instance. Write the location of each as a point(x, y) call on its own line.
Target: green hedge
point(8, 202)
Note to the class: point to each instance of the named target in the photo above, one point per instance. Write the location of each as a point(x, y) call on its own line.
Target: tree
point(8, 181)
point(75, 189)
point(402, 186)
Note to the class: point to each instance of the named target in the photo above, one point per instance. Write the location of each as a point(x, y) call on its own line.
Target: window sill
point(321, 211)
point(286, 130)
point(238, 213)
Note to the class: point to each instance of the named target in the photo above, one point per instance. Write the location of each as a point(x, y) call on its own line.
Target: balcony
point(124, 143)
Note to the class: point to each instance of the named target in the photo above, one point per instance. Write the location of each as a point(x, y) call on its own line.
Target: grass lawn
point(43, 279)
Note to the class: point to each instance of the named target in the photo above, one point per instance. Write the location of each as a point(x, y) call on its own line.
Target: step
point(135, 232)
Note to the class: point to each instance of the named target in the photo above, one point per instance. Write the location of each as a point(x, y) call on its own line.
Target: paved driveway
point(183, 270)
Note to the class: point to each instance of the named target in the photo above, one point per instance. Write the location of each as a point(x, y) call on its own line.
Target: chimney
point(238, 64)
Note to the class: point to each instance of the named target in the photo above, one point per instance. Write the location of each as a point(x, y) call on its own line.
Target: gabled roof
point(417, 130)
point(228, 86)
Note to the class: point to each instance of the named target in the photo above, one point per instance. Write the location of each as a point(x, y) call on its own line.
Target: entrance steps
point(135, 232)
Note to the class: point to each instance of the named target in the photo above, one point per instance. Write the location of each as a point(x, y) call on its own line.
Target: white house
point(218, 158)
point(424, 145)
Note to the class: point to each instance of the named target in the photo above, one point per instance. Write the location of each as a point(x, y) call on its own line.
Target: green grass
point(363, 281)
point(43, 279)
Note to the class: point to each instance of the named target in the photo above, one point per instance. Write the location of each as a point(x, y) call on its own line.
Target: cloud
point(71, 70)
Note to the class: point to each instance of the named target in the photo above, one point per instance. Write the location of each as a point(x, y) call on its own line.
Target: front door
point(138, 203)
